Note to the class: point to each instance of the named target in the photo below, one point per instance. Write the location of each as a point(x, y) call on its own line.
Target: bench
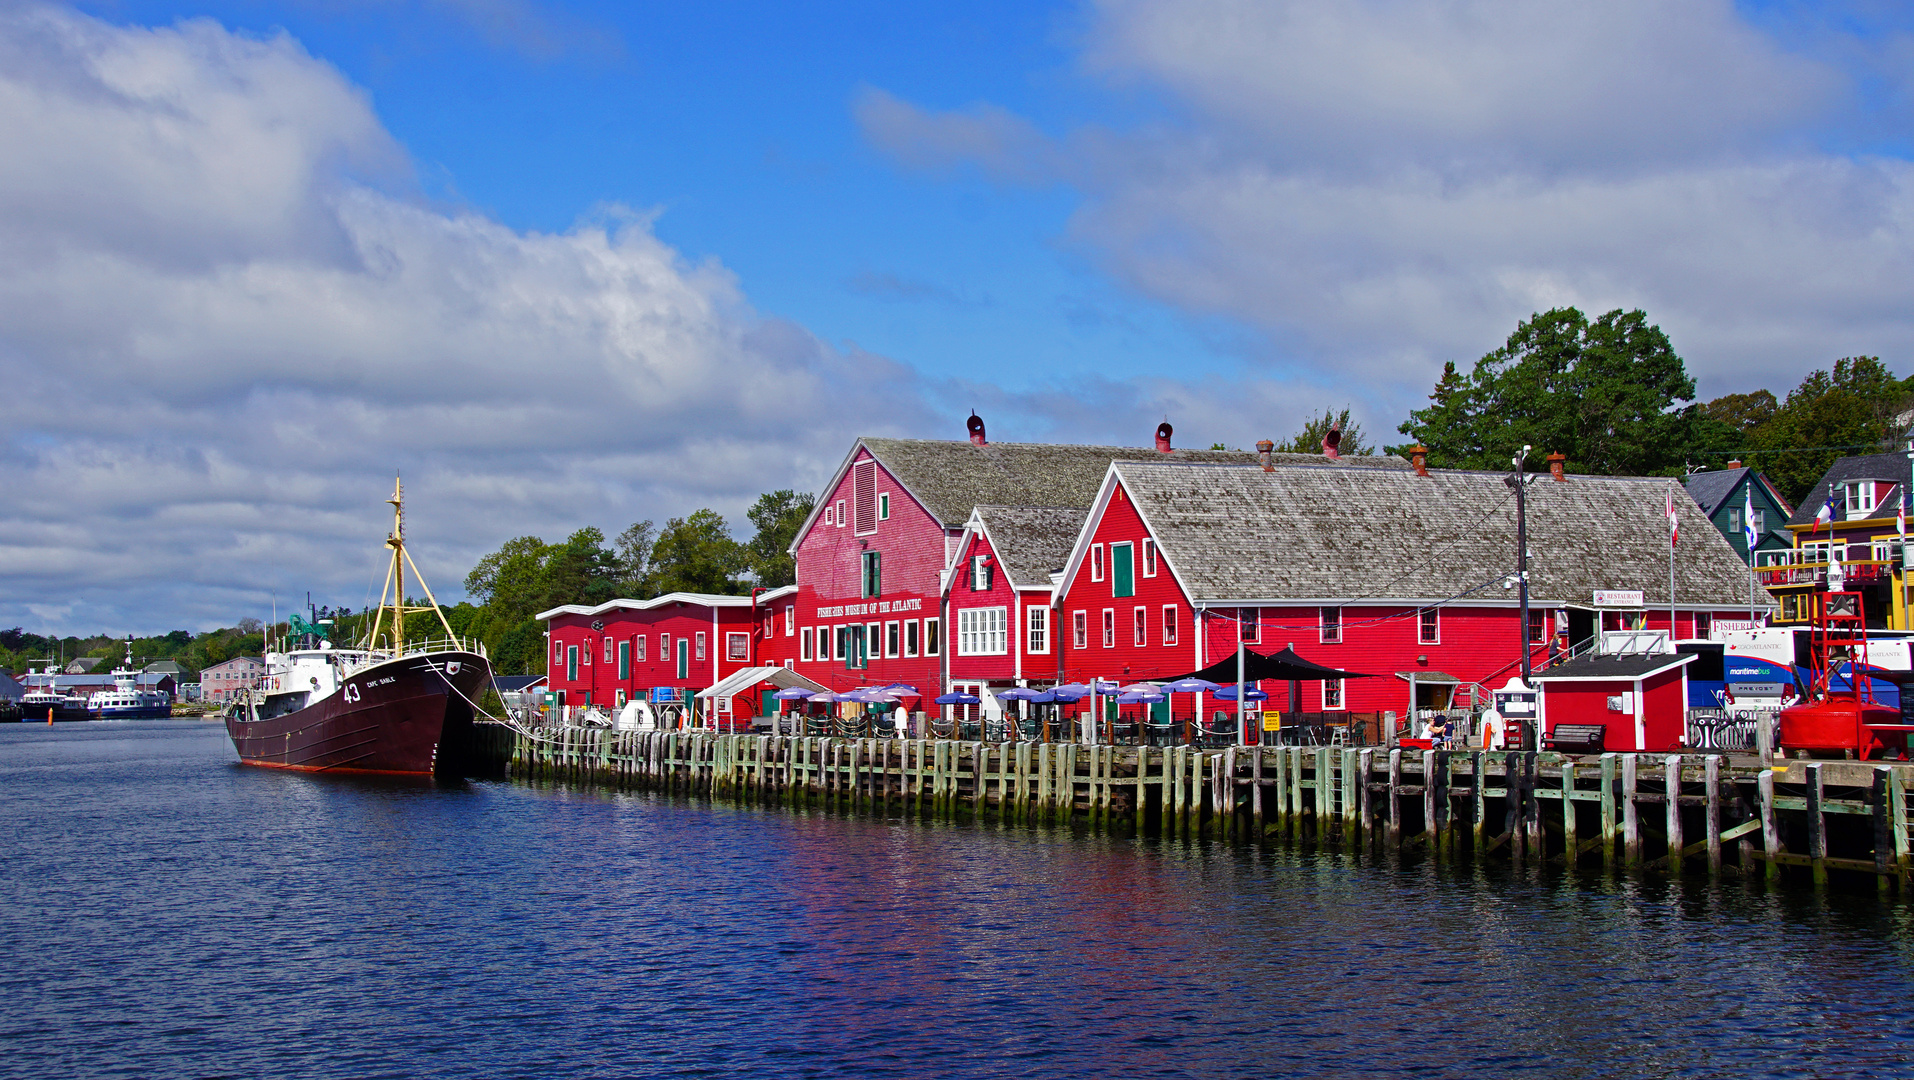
point(1576, 738)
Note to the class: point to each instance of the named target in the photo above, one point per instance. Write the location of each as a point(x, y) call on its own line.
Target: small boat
point(388, 704)
point(49, 704)
point(126, 701)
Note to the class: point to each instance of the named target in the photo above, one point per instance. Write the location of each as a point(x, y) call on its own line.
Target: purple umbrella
point(794, 693)
point(957, 699)
point(1228, 693)
point(1138, 697)
point(1191, 686)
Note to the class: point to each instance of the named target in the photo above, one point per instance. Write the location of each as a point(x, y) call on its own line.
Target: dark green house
point(1724, 494)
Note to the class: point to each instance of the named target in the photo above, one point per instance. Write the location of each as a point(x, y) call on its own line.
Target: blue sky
point(568, 265)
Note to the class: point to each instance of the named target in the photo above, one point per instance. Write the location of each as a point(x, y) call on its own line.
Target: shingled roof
point(950, 478)
point(1892, 468)
point(1031, 541)
point(1336, 533)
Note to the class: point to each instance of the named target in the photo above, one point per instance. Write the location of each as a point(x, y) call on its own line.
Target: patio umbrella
point(869, 696)
point(826, 698)
point(1191, 685)
point(902, 689)
point(1228, 693)
point(1141, 688)
point(1068, 693)
point(1138, 697)
point(1019, 693)
point(1071, 688)
point(957, 699)
point(794, 693)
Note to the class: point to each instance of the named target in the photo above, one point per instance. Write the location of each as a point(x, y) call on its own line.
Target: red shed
point(665, 648)
point(1641, 700)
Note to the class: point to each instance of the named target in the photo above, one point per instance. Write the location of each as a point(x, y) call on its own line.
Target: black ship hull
point(411, 715)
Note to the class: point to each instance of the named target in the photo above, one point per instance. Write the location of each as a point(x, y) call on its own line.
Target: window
point(1140, 627)
point(825, 636)
point(1734, 521)
point(1169, 624)
point(1331, 626)
point(1122, 571)
point(1249, 624)
point(1859, 497)
point(701, 645)
point(1096, 562)
point(1079, 630)
point(828, 518)
point(558, 653)
point(1429, 631)
point(933, 641)
point(790, 619)
point(883, 506)
point(1703, 623)
point(853, 646)
point(1109, 628)
point(873, 641)
point(840, 513)
point(1759, 519)
point(1538, 627)
point(1791, 606)
point(664, 648)
point(737, 647)
point(1036, 629)
point(910, 638)
point(584, 654)
point(980, 632)
point(607, 650)
point(621, 698)
point(893, 639)
point(639, 648)
point(804, 644)
point(864, 498)
point(571, 663)
point(624, 660)
point(873, 578)
point(983, 575)
point(1149, 557)
point(1332, 694)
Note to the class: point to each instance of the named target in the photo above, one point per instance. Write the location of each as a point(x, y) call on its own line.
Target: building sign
point(880, 607)
point(1620, 598)
point(1272, 721)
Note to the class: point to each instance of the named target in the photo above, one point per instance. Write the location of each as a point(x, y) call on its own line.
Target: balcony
point(1780, 574)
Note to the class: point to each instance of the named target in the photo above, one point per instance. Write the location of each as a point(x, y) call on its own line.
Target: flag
point(1674, 523)
point(1825, 516)
point(1900, 519)
point(1747, 517)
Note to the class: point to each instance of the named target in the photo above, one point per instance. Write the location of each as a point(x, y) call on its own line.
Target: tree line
point(1612, 395)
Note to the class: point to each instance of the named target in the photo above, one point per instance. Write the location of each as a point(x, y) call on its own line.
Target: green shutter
point(1122, 571)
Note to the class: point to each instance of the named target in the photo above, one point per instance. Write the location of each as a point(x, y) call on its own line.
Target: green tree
point(778, 515)
point(633, 549)
point(521, 650)
point(1608, 394)
point(1744, 413)
point(1853, 406)
point(1310, 439)
point(579, 571)
point(697, 554)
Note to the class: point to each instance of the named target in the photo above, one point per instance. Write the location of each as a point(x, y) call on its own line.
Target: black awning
point(1285, 666)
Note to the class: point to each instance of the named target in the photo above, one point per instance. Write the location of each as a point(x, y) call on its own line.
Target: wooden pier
point(1672, 813)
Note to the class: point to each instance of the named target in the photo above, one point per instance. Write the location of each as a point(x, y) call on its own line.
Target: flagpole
point(1673, 532)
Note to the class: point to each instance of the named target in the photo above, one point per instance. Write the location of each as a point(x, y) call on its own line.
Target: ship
point(386, 704)
point(126, 701)
point(47, 704)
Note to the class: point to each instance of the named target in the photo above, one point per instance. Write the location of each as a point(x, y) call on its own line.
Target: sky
point(564, 264)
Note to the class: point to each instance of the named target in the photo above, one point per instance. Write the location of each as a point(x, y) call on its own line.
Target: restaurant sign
point(1619, 598)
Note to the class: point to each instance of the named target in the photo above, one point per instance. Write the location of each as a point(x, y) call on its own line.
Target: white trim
point(711, 600)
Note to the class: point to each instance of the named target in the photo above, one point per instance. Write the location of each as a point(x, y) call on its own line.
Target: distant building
point(1858, 542)
point(222, 680)
point(165, 667)
point(82, 665)
point(1725, 496)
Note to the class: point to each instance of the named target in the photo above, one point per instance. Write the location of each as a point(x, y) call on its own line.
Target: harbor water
point(167, 912)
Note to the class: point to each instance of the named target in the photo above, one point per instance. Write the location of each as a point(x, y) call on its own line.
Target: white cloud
point(224, 325)
point(1379, 186)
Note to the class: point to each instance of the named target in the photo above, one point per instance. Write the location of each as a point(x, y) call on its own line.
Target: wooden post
point(1255, 790)
point(1897, 820)
point(1711, 776)
point(1282, 789)
point(1770, 835)
point(1365, 767)
point(1226, 791)
point(1672, 776)
point(1352, 782)
point(1296, 789)
point(1608, 809)
point(1883, 841)
point(1631, 822)
point(1571, 836)
point(1395, 800)
point(1429, 823)
point(1817, 825)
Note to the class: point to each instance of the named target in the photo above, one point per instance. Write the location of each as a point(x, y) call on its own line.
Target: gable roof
point(695, 598)
point(950, 477)
point(1031, 542)
point(1892, 468)
point(1600, 668)
point(1336, 534)
point(1714, 488)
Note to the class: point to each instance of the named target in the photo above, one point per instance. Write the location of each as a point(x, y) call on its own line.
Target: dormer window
point(1858, 497)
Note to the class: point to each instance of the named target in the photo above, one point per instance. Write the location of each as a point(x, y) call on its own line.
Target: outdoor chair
point(943, 729)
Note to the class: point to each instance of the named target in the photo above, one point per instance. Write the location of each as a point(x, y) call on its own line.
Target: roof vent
point(1332, 439)
point(975, 425)
point(1163, 433)
point(1419, 457)
point(1263, 449)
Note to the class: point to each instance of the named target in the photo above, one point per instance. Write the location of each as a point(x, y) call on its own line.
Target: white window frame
point(1333, 696)
point(1857, 498)
point(1429, 626)
point(699, 649)
point(1080, 629)
point(830, 516)
point(933, 637)
point(1760, 521)
point(805, 637)
point(1249, 625)
point(883, 506)
point(1096, 562)
point(911, 637)
point(1169, 624)
point(608, 648)
point(1109, 628)
point(981, 631)
point(1036, 620)
point(638, 649)
point(980, 573)
point(584, 654)
point(840, 513)
point(1149, 557)
point(737, 647)
point(558, 654)
point(790, 619)
point(893, 639)
point(1140, 625)
point(1329, 632)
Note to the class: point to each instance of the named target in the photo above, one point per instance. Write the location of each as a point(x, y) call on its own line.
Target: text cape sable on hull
point(383, 706)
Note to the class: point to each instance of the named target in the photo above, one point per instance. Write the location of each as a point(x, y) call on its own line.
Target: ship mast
point(394, 589)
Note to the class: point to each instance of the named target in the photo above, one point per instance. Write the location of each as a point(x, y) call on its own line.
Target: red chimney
point(1263, 449)
point(976, 426)
point(1555, 462)
point(1419, 457)
point(1332, 440)
point(1735, 464)
point(1163, 431)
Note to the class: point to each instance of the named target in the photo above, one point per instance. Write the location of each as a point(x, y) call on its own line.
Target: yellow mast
point(394, 589)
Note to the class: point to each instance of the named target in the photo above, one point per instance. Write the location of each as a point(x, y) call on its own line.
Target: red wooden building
point(998, 594)
point(1642, 701)
point(667, 648)
point(1363, 567)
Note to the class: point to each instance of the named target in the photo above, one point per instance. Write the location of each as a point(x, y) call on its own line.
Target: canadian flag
point(1674, 522)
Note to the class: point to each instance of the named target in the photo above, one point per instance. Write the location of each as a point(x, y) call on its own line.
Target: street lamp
point(1519, 479)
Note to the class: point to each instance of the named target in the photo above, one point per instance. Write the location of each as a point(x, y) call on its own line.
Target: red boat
point(1844, 721)
point(383, 706)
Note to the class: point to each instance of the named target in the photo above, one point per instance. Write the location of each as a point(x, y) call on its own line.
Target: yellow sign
point(1272, 721)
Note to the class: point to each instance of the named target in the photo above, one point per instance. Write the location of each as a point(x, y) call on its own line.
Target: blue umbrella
point(1191, 686)
point(1068, 693)
point(826, 698)
point(958, 699)
point(1019, 693)
point(1228, 693)
point(1138, 697)
point(902, 689)
point(793, 693)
